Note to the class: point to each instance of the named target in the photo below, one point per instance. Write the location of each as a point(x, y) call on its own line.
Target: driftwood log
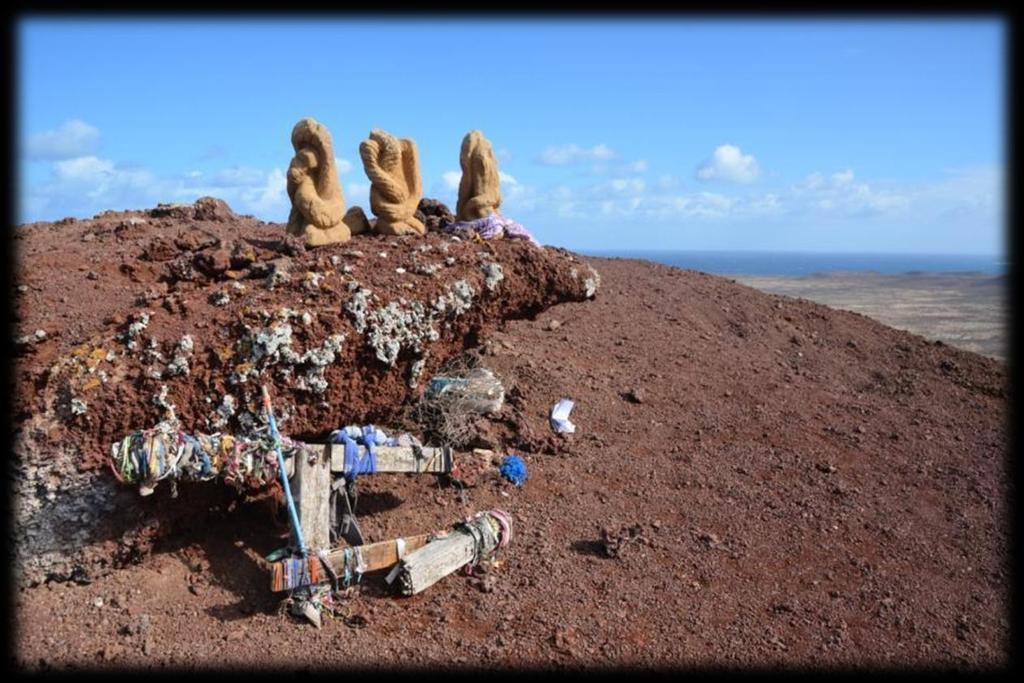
point(467, 543)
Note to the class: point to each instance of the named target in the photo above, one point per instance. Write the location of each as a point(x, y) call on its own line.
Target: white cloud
point(620, 187)
point(564, 155)
point(667, 182)
point(86, 169)
point(237, 176)
point(451, 180)
point(86, 185)
point(344, 165)
point(843, 177)
point(269, 199)
point(358, 194)
point(74, 138)
point(841, 195)
point(730, 164)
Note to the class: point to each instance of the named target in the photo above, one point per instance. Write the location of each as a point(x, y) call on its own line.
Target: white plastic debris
point(560, 417)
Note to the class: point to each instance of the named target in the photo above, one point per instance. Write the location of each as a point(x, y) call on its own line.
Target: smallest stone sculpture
point(318, 205)
point(480, 186)
point(480, 195)
point(393, 167)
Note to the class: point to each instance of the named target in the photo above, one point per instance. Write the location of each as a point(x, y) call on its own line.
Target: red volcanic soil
point(754, 481)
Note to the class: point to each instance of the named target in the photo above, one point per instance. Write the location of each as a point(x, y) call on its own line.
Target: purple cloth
point(491, 227)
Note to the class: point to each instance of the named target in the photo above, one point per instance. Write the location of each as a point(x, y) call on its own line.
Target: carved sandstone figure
point(318, 205)
point(393, 168)
point(480, 188)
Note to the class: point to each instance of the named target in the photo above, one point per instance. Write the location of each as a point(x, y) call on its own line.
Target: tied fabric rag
point(494, 226)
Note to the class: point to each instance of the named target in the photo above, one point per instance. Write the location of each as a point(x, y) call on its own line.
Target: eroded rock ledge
point(220, 304)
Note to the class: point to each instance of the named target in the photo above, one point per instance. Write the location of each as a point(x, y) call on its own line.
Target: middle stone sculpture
point(393, 167)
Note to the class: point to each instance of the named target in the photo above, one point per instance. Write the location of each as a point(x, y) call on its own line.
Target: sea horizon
point(804, 263)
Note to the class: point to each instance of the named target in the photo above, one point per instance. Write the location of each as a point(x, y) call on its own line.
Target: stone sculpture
point(480, 188)
point(318, 205)
point(393, 167)
point(476, 213)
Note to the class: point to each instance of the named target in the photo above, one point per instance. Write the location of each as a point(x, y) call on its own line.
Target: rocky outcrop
point(340, 334)
point(435, 214)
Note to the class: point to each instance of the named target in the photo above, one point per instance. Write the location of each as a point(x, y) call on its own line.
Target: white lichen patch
point(139, 322)
point(151, 355)
point(179, 362)
point(426, 268)
point(592, 282)
point(358, 306)
point(397, 326)
point(415, 370)
point(311, 281)
point(456, 301)
point(160, 400)
point(276, 277)
point(224, 411)
point(220, 298)
point(78, 407)
point(403, 325)
point(493, 275)
point(318, 359)
point(271, 348)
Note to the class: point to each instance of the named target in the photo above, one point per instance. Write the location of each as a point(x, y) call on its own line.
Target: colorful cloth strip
point(494, 226)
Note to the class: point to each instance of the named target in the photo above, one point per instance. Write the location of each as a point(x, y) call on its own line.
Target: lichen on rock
point(493, 275)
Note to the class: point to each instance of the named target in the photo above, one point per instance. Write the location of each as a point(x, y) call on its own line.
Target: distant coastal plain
point(959, 300)
point(965, 310)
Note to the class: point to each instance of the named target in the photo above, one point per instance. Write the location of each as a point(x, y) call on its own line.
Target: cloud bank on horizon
point(643, 169)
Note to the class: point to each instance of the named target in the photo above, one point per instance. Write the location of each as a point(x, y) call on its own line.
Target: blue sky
point(825, 135)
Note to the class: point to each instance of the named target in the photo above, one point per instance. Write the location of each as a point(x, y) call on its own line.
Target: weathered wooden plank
point(311, 487)
point(361, 559)
point(390, 459)
point(371, 557)
point(443, 556)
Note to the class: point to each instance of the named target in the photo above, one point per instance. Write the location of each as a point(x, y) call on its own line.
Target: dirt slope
point(801, 486)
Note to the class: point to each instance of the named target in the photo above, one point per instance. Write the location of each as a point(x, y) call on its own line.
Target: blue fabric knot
point(198, 448)
point(513, 468)
point(352, 438)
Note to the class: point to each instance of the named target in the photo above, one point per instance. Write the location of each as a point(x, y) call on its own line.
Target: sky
point(867, 135)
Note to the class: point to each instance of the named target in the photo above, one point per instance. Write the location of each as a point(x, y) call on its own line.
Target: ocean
point(808, 263)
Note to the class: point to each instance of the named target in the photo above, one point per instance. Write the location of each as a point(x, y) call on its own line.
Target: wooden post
point(311, 487)
point(466, 543)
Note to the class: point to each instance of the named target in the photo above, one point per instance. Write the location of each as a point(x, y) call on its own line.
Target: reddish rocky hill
point(754, 480)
